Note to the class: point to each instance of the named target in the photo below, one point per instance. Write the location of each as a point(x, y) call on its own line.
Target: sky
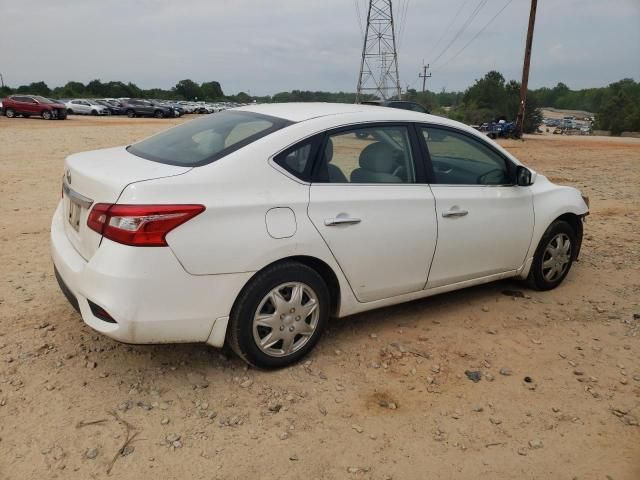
point(264, 47)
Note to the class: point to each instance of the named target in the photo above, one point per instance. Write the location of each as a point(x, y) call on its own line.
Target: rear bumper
point(145, 290)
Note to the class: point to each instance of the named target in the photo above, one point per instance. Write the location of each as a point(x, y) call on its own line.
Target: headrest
point(378, 157)
point(328, 151)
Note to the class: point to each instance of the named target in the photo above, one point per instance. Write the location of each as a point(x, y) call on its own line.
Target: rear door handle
point(341, 220)
point(454, 213)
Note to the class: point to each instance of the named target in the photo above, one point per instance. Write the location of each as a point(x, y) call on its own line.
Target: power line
point(359, 15)
point(476, 35)
point(466, 24)
point(446, 30)
point(402, 17)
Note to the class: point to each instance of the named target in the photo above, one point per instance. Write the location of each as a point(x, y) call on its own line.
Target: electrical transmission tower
point(379, 65)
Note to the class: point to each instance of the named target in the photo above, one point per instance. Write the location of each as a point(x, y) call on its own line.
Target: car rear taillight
point(139, 225)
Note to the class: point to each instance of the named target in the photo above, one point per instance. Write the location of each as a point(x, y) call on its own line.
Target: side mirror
point(524, 176)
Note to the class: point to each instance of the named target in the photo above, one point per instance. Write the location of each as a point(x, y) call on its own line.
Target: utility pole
point(424, 76)
point(379, 63)
point(1, 80)
point(525, 69)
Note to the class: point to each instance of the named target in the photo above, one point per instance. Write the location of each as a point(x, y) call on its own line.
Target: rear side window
point(207, 139)
point(368, 155)
point(298, 160)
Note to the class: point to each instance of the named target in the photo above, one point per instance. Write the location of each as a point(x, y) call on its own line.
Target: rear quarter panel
point(238, 190)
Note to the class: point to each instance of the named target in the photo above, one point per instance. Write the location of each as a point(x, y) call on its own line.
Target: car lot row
point(26, 105)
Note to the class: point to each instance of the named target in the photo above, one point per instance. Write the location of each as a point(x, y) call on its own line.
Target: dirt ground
point(384, 395)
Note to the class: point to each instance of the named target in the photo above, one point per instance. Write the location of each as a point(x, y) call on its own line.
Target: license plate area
point(73, 214)
point(76, 204)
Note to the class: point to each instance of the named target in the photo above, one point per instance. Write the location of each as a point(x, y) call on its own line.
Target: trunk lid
point(100, 176)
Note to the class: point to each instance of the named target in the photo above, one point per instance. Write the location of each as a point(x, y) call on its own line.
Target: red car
point(27, 105)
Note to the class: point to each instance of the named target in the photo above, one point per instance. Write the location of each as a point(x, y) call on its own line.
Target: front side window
point(207, 139)
point(367, 155)
point(459, 159)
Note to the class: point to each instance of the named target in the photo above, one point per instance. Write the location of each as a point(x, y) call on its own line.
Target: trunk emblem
point(68, 175)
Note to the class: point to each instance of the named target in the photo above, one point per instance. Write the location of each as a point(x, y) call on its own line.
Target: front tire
point(46, 114)
point(131, 113)
point(158, 114)
point(554, 256)
point(279, 316)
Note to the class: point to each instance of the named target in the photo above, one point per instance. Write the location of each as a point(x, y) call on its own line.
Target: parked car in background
point(81, 106)
point(134, 107)
point(187, 106)
point(33, 105)
point(254, 225)
point(178, 110)
point(114, 107)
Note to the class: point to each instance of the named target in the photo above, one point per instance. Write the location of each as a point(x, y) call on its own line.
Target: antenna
point(379, 65)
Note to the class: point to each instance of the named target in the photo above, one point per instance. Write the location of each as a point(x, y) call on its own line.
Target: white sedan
point(255, 225)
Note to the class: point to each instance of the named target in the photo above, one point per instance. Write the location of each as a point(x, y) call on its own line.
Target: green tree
point(188, 89)
point(96, 88)
point(211, 90)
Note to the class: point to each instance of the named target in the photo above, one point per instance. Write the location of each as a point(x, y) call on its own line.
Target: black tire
point(240, 330)
point(10, 113)
point(131, 113)
point(69, 111)
point(94, 112)
point(537, 279)
point(158, 114)
point(46, 114)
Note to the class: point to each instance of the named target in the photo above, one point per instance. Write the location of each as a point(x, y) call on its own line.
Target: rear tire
point(10, 113)
point(279, 316)
point(554, 256)
point(46, 114)
point(131, 113)
point(69, 111)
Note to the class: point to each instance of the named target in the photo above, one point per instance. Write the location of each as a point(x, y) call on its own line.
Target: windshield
point(44, 100)
point(207, 139)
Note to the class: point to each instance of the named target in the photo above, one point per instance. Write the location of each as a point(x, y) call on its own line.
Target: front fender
point(550, 202)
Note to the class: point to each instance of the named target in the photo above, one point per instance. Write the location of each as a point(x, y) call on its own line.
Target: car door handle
point(341, 220)
point(454, 213)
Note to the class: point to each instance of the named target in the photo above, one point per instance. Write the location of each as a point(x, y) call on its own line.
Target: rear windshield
point(207, 139)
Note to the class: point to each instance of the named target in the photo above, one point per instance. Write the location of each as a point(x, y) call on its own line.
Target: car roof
point(356, 113)
point(299, 112)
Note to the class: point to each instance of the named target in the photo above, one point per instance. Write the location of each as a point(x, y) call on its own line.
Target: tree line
point(616, 106)
point(183, 90)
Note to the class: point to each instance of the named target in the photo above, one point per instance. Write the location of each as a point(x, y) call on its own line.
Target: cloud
point(269, 46)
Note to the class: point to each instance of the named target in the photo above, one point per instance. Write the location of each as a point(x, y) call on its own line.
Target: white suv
point(86, 107)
